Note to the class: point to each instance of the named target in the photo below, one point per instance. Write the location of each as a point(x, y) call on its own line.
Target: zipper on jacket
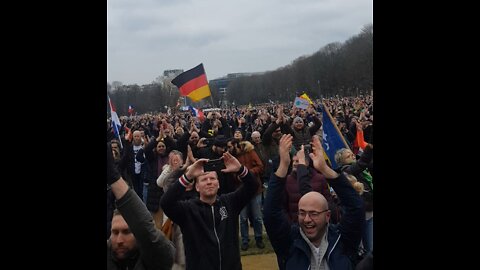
point(334, 245)
point(218, 241)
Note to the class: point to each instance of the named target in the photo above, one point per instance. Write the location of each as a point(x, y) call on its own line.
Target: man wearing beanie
point(302, 134)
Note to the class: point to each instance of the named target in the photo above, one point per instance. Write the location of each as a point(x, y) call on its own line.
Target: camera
point(307, 149)
point(214, 165)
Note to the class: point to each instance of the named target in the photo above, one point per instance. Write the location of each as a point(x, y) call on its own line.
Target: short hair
point(205, 173)
point(112, 141)
point(176, 152)
point(339, 154)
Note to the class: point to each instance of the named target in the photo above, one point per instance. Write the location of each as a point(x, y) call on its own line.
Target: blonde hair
point(358, 186)
point(339, 156)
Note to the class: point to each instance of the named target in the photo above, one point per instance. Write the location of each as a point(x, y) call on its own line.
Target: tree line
point(344, 69)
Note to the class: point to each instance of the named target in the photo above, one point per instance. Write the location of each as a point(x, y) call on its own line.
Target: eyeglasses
point(312, 214)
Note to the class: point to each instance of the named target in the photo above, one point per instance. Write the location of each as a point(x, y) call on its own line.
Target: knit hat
point(297, 119)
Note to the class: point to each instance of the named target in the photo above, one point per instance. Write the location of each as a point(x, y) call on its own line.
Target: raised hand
point(284, 146)
point(112, 173)
point(160, 134)
point(147, 140)
point(231, 163)
point(318, 159)
point(317, 153)
point(310, 109)
point(196, 169)
point(190, 158)
point(301, 156)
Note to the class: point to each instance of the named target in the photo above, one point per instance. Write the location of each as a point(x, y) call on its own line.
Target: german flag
point(193, 83)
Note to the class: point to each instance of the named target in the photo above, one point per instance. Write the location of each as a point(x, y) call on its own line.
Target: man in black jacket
point(134, 242)
point(210, 223)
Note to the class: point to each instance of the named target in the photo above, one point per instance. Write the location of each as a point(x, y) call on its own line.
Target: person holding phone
point(215, 151)
point(210, 223)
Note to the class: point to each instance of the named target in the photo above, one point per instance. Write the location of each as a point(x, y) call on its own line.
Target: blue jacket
point(343, 239)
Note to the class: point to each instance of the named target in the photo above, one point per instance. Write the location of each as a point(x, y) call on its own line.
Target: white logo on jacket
point(223, 213)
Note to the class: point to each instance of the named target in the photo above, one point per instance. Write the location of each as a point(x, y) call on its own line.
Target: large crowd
point(182, 190)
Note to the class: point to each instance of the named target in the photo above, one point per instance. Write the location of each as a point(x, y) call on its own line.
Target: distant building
point(168, 76)
point(222, 84)
point(172, 73)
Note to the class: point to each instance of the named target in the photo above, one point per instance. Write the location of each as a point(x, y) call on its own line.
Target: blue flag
point(332, 138)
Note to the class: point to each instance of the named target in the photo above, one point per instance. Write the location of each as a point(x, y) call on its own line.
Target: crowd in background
point(151, 149)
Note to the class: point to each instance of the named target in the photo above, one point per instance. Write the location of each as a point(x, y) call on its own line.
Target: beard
point(122, 254)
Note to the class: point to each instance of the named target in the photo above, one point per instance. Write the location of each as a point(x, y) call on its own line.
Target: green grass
point(253, 249)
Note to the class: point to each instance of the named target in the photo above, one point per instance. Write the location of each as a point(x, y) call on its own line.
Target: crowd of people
point(182, 191)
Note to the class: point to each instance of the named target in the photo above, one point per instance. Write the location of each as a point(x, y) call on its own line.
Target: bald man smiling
point(313, 243)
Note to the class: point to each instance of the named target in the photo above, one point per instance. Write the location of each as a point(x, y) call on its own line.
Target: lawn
point(253, 249)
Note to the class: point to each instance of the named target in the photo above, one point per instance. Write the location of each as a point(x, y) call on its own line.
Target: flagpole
point(335, 125)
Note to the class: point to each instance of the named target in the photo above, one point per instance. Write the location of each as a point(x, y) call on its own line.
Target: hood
point(247, 146)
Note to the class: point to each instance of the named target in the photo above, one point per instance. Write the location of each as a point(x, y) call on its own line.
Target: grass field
point(255, 258)
point(260, 262)
point(252, 247)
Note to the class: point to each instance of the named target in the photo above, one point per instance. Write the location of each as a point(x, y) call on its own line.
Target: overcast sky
point(146, 37)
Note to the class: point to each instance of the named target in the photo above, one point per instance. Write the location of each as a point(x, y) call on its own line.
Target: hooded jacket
point(210, 232)
point(292, 251)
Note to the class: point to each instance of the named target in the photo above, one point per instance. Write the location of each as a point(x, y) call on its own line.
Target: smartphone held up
point(214, 165)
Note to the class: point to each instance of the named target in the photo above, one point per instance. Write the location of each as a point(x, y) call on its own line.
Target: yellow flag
point(305, 96)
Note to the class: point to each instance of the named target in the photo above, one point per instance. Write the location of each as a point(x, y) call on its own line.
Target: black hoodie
point(210, 232)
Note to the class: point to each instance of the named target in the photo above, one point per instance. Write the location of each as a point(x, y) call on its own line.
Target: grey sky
point(146, 37)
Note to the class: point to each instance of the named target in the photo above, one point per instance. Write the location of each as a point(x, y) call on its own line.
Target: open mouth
point(309, 229)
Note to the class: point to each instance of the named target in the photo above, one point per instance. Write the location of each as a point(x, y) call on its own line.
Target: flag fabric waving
point(198, 113)
point(130, 109)
point(305, 96)
point(332, 137)
point(115, 121)
point(193, 83)
point(301, 103)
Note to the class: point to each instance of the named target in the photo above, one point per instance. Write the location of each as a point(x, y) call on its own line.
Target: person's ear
point(196, 188)
point(327, 215)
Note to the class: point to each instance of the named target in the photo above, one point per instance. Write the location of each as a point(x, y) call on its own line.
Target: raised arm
point(362, 163)
point(303, 177)
point(171, 201)
point(275, 219)
point(245, 192)
point(317, 123)
point(157, 251)
point(353, 219)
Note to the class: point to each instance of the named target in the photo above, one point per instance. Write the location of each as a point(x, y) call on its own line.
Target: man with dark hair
point(134, 241)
